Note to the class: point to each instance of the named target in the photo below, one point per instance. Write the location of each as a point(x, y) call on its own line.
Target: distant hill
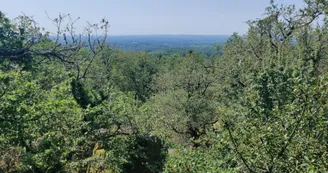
point(159, 44)
point(201, 43)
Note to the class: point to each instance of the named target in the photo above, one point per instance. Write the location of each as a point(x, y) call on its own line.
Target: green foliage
point(218, 157)
point(184, 104)
point(133, 72)
point(258, 105)
point(283, 119)
point(39, 121)
point(146, 153)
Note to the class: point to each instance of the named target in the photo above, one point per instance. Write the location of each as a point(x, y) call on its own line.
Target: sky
point(148, 17)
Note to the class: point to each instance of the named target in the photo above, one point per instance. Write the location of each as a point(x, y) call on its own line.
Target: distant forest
point(161, 45)
point(202, 43)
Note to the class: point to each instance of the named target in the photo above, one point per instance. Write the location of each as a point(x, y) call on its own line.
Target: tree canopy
point(71, 103)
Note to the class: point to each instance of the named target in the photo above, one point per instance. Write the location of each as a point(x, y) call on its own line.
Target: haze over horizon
point(146, 17)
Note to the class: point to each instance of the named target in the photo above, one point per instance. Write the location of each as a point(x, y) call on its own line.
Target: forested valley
point(259, 104)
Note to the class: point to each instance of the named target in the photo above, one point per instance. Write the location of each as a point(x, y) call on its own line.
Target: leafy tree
point(184, 104)
point(37, 123)
point(133, 72)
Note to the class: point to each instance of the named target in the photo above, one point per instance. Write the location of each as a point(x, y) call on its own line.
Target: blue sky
point(140, 17)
